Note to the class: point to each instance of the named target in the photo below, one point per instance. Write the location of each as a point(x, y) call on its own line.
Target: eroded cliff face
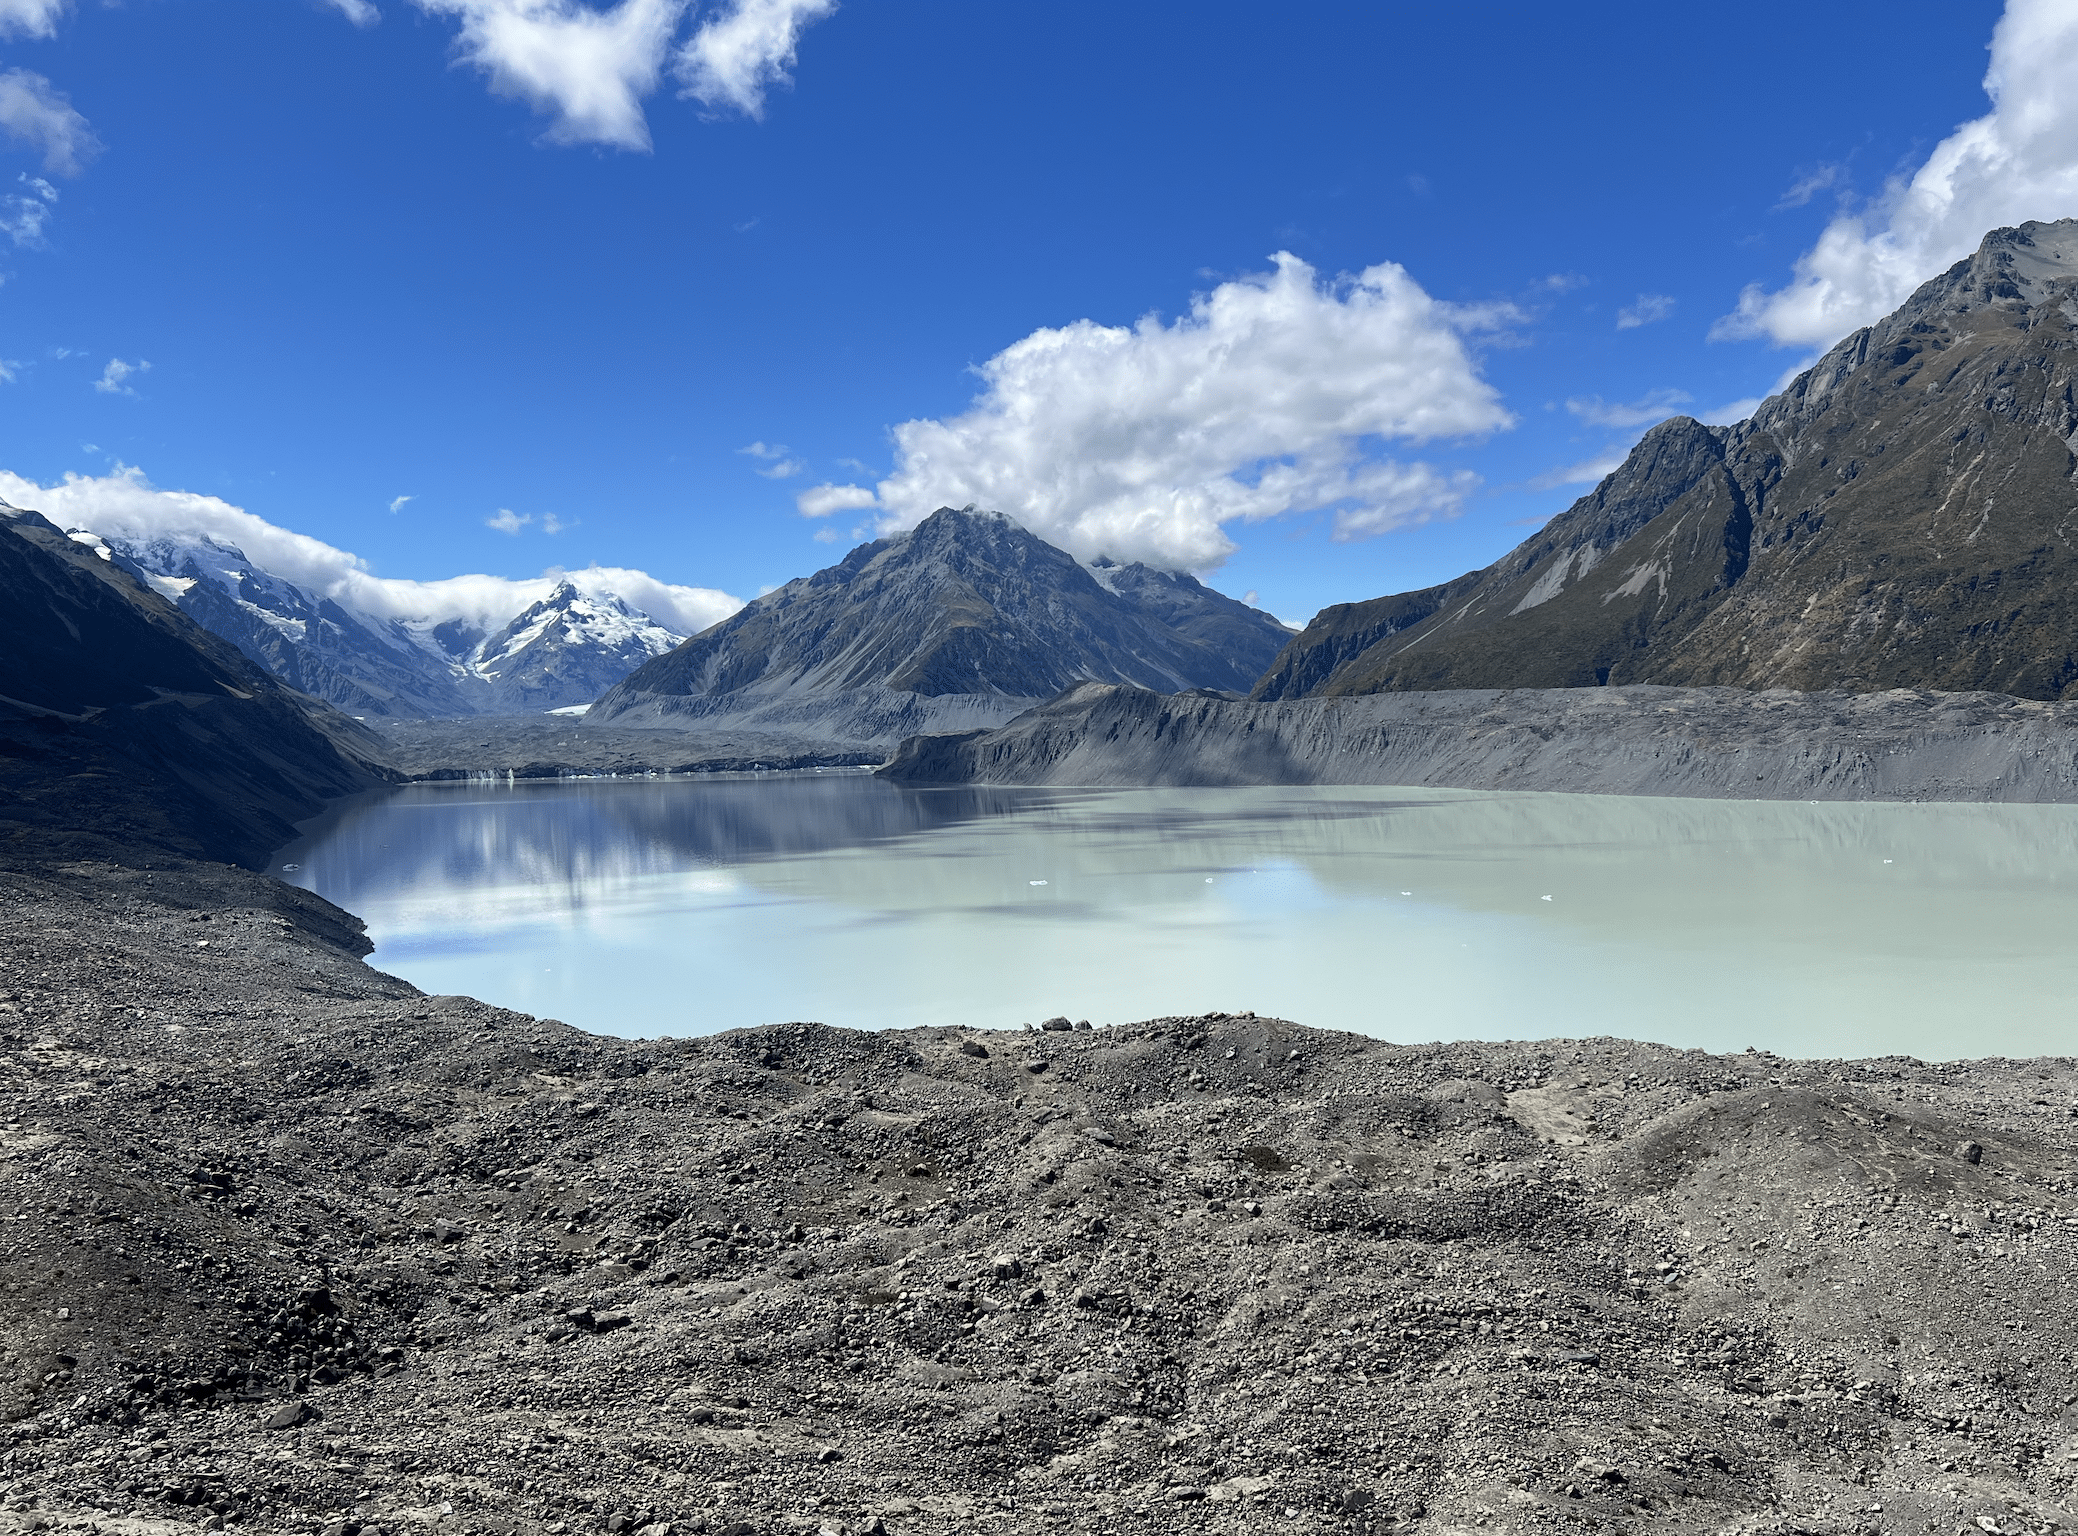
point(1903, 515)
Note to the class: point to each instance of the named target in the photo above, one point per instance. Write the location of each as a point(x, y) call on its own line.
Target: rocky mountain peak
point(1903, 514)
point(967, 606)
point(2017, 268)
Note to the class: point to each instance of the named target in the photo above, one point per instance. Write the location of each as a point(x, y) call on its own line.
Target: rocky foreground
point(291, 1247)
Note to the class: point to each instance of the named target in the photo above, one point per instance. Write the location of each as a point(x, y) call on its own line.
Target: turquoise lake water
point(647, 907)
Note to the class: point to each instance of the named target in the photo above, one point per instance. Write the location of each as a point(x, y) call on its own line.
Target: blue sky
point(360, 267)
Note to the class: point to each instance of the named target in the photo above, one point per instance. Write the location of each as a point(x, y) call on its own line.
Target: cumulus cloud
point(744, 51)
point(824, 500)
point(36, 113)
point(508, 521)
point(1650, 307)
point(2016, 163)
point(1271, 396)
point(114, 376)
point(125, 504)
point(589, 69)
point(31, 18)
point(23, 214)
point(359, 12)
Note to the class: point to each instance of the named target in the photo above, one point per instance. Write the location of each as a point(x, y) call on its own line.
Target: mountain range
point(561, 651)
point(964, 621)
point(1903, 515)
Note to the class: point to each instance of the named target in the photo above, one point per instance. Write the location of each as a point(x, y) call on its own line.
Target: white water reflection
point(676, 907)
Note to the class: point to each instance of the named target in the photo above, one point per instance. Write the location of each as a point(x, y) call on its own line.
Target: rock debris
point(287, 1246)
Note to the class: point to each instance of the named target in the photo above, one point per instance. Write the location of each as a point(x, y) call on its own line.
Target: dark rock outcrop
point(965, 620)
point(1903, 515)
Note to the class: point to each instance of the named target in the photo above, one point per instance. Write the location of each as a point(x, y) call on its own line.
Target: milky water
point(686, 906)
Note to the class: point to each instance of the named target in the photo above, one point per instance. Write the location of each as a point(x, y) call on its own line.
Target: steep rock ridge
point(963, 621)
point(1716, 743)
point(564, 650)
point(123, 722)
point(1905, 514)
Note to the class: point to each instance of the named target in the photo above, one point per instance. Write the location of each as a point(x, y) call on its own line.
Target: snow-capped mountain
point(568, 649)
point(565, 649)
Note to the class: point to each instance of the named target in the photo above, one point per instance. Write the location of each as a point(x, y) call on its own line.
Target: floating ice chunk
point(1544, 898)
point(290, 869)
point(1035, 882)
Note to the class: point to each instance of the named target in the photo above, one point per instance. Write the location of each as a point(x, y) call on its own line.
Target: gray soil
point(549, 747)
point(1718, 743)
point(295, 1248)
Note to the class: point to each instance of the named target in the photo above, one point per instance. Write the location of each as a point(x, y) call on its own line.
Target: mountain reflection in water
point(681, 907)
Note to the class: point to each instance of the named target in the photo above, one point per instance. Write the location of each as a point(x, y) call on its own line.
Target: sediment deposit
point(1718, 743)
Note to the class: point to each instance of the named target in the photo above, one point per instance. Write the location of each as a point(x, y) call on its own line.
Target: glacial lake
point(684, 906)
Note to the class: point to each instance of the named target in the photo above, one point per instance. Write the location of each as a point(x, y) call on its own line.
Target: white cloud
point(1649, 308)
point(1808, 187)
point(31, 18)
point(126, 505)
point(23, 214)
point(782, 465)
point(1730, 413)
point(1655, 405)
point(34, 112)
point(114, 376)
point(508, 521)
point(397, 503)
point(1270, 396)
point(552, 524)
point(738, 55)
point(2016, 163)
point(822, 500)
point(589, 68)
point(1586, 472)
point(359, 12)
